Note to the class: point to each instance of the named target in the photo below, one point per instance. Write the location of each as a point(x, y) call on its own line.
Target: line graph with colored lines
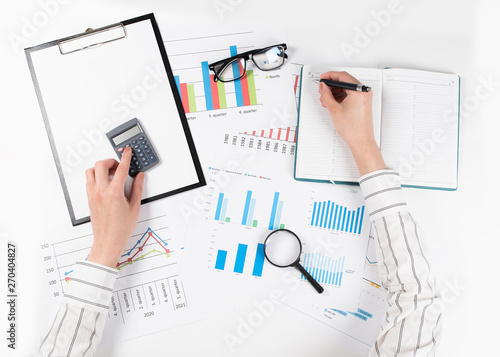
point(130, 258)
point(155, 247)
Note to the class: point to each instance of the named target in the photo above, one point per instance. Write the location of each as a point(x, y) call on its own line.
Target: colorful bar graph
point(249, 209)
point(329, 215)
point(220, 211)
point(215, 91)
point(259, 260)
point(220, 263)
point(240, 258)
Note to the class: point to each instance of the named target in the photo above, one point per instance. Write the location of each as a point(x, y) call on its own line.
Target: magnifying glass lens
point(283, 248)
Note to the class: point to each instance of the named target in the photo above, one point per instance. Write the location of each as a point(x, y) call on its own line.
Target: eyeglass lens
point(268, 59)
point(232, 71)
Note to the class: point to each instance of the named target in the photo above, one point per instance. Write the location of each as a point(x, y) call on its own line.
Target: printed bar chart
point(324, 269)
point(259, 260)
point(274, 222)
point(241, 259)
point(220, 213)
point(284, 134)
point(327, 214)
point(215, 91)
point(249, 208)
point(220, 263)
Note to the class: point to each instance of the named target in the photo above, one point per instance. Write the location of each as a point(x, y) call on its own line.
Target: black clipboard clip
point(91, 38)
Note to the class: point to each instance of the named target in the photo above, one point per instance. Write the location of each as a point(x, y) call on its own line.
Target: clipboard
point(90, 83)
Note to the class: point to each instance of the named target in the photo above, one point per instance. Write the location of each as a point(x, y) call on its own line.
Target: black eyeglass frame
point(247, 56)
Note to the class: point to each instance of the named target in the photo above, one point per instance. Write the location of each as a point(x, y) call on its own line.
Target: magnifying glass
point(282, 249)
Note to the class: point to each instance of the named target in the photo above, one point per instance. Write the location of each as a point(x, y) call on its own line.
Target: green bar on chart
point(228, 219)
point(254, 224)
point(191, 98)
point(222, 95)
point(282, 226)
point(251, 88)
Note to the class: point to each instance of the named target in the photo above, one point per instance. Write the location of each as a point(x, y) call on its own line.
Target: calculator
point(131, 134)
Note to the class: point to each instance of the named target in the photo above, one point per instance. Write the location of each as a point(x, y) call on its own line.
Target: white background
point(449, 35)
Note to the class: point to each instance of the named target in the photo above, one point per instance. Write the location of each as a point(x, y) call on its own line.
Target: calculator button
point(141, 154)
point(145, 163)
point(138, 167)
point(144, 142)
point(143, 159)
point(134, 142)
point(119, 149)
point(131, 171)
point(149, 151)
point(137, 146)
point(134, 158)
point(138, 150)
point(152, 158)
point(127, 146)
point(140, 138)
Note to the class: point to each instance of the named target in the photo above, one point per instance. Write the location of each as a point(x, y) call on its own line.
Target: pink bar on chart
point(287, 133)
point(184, 97)
point(215, 92)
point(279, 133)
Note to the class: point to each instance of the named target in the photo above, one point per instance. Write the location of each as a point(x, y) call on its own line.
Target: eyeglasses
point(265, 59)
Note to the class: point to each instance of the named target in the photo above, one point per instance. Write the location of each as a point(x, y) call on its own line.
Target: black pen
point(344, 85)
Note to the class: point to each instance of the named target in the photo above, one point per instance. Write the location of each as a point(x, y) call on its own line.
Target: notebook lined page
point(419, 135)
point(321, 153)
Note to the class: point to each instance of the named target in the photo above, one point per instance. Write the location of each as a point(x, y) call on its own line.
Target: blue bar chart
point(332, 216)
point(220, 213)
point(249, 207)
point(324, 269)
point(241, 260)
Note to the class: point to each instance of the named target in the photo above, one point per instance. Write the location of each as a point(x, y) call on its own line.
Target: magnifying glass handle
point(308, 276)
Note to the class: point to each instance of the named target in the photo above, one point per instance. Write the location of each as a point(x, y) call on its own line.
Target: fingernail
point(127, 149)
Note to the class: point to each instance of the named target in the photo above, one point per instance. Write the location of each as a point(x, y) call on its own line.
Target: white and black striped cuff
point(382, 192)
point(91, 286)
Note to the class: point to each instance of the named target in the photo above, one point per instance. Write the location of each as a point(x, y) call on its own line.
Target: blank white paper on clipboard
point(90, 83)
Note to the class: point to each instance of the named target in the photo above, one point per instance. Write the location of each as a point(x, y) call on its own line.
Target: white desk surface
point(448, 35)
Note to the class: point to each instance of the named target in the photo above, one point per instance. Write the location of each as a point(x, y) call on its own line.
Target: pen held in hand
point(344, 85)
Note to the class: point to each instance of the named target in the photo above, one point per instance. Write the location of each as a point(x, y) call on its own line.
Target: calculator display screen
point(126, 135)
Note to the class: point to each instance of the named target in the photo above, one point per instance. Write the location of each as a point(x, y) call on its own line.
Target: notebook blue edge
point(356, 183)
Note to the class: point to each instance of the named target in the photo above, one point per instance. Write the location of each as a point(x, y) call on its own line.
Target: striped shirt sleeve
point(78, 325)
point(412, 325)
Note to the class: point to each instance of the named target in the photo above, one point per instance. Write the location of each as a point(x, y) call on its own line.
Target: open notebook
point(416, 125)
